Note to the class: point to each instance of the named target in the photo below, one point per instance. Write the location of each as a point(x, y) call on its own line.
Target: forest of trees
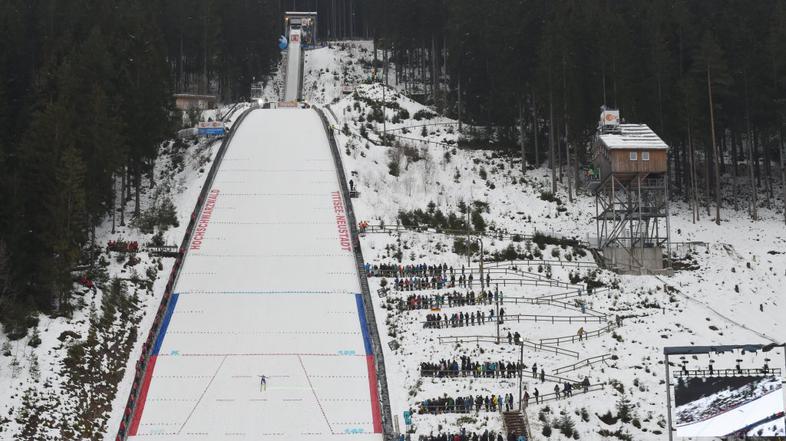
point(85, 101)
point(666, 63)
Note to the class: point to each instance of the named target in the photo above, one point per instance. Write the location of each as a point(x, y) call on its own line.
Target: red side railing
point(143, 363)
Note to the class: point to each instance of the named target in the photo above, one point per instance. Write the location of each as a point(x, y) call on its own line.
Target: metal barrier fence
point(572, 294)
point(524, 278)
point(147, 346)
point(478, 339)
point(551, 302)
point(518, 318)
point(562, 263)
point(554, 318)
point(451, 375)
point(760, 372)
point(371, 321)
point(582, 363)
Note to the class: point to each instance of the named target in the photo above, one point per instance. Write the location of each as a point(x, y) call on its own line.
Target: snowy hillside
point(70, 377)
point(729, 296)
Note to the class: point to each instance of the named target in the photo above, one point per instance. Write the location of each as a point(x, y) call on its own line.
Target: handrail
point(581, 363)
point(518, 318)
point(731, 372)
point(147, 347)
point(564, 263)
point(525, 374)
point(515, 300)
point(524, 278)
point(579, 390)
point(493, 339)
point(572, 294)
point(551, 302)
point(573, 338)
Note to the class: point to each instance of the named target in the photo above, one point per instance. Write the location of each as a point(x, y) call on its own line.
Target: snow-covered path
point(269, 287)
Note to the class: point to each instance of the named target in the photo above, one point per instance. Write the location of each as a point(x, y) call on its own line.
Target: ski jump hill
point(268, 287)
point(761, 410)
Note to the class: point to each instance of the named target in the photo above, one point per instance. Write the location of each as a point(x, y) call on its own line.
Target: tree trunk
point(734, 169)
point(521, 139)
point(782, 151)
point(435, 74)
point(694, 190)
point(707, 175)
point(714, 150)
point(114, 202)
point(754, 201)
point(123, 185)
point(137, 188)
point(459, 106)
point(535, 128)
point(565, 121)
point(552, 161)
point(756, 156)
point(768, 175)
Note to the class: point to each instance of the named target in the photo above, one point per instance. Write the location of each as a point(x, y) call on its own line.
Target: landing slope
point(268, 287)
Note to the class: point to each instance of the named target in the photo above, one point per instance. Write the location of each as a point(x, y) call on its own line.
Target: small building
point(629, 148)
point(631, 196)
point(188, 101)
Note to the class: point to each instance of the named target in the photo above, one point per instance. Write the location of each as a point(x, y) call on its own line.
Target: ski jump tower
point(631, 199)
point(301, 31)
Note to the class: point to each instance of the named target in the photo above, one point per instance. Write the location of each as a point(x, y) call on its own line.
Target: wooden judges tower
point(631, 198)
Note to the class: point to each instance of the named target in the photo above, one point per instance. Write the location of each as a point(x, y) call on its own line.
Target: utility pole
point(668, 397)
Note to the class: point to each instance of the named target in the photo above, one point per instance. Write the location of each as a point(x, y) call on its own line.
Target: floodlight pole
point(668, 396)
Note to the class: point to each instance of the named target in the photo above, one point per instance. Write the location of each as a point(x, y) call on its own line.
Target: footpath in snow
point(268, 288)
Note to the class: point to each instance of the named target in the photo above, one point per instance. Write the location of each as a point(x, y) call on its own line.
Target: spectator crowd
point(466, 367)
point(461, 319)
point(422, 276)
point(463, 435)
point(467, 404)
point(455, 298)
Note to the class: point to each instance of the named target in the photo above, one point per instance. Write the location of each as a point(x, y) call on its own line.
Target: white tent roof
point(633, 136)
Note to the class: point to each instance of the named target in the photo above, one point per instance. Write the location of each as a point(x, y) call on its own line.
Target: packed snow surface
point(271, 290)
point(737, 418)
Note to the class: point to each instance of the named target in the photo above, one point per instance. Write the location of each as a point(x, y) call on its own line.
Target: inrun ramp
point(294, 77)
point(269, 287)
